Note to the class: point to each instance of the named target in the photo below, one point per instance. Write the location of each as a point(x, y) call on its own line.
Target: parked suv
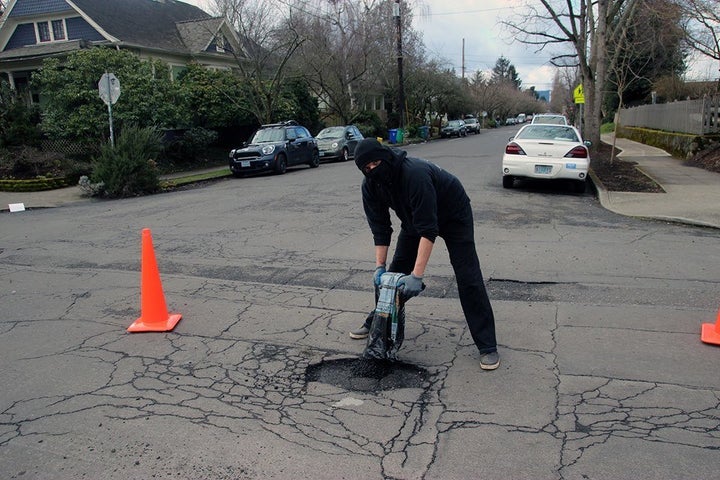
point(453, 128)
point(275, 147)
point(472, 125)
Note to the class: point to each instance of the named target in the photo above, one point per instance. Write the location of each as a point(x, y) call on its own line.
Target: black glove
point(378, 274)
point(411, 285)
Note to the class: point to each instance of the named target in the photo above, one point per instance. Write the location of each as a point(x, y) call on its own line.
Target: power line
point(465, 12)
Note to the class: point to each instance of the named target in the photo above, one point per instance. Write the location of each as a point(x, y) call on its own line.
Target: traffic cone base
point(711, 333)
point(140, 325)
point(154, 316)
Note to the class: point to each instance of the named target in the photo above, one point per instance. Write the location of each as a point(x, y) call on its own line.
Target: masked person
point(429, 202)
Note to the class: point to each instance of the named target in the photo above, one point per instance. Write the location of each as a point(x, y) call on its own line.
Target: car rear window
point(553, 119)
point(548, 132)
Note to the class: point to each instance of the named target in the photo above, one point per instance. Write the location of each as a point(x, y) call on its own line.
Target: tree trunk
point(595, 77)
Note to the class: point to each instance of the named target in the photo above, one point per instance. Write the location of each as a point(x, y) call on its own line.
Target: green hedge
point(33, 185)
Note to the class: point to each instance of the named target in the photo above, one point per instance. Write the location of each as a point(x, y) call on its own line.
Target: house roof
point(196, 34)
point(150, 23)
point(42, 50)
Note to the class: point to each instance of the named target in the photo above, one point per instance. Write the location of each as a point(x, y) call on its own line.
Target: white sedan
point(549, 152)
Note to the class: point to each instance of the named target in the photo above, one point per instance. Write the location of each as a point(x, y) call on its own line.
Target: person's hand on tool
point(411, 285)
point(379, 270)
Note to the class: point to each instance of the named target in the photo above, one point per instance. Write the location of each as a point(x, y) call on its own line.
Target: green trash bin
point(400, 135)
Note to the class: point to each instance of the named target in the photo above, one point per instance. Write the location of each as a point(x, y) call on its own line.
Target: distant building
point(543, 95)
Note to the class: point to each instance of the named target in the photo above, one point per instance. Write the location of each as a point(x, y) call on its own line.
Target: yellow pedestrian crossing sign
point(578, 94)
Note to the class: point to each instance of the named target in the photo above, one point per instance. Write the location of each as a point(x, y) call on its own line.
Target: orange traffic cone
point(154, 314)
point(711, 333)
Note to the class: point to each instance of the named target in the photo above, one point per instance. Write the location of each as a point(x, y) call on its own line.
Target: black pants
point(459, 239)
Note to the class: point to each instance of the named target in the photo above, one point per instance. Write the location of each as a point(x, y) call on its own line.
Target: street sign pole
point(579, 98)
point(109, 88)
point(109, 104)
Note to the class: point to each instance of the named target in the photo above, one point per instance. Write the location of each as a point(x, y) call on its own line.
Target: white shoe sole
point(490, 367)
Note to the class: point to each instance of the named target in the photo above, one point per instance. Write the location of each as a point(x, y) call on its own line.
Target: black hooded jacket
point(428, 200)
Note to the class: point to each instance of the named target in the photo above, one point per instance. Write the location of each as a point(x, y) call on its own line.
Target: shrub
point(191, 148)
point(607, 127)
point(129, 169)
point(25, 163)
point(412, 131)
point(18, 120)
point(370, 125)
point(90, 189)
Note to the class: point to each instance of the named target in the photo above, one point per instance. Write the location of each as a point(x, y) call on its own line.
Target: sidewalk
point(692, 195)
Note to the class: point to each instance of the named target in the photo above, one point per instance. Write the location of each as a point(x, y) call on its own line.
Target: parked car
point(338, 143)
point(548, 152)
point(511, 121)
point(275, 147)
point(550, 118)
point(472, 125)
point(454, 128)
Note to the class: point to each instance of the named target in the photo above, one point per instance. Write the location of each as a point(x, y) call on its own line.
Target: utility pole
point(463, 60)
point(401, 83)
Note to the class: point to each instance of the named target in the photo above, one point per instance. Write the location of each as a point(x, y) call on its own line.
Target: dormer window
point(52, 31)
point(220, 44)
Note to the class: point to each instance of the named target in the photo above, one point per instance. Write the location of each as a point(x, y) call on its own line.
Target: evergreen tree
point(504, 72)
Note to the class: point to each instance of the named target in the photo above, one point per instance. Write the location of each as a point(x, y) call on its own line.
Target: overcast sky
point(445, 23)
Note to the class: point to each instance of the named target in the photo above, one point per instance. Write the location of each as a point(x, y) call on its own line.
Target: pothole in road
point(362, 375)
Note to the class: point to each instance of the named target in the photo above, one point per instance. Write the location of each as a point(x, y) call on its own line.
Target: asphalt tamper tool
point(387, 330)
point(154, 316)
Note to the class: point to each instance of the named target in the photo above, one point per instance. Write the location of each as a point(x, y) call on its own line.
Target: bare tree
point(341, 47)
point(585, 26)
point(269, 39)
point(500, 97)
point(561, 100)
point(702, 27)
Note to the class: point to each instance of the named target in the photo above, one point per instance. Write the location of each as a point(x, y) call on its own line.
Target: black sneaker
point(489, 361)
point(360, 333)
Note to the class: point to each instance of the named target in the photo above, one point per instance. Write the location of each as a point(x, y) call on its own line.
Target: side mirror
point(511, 139)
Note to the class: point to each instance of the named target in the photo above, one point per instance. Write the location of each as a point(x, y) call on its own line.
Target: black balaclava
point(369, 150)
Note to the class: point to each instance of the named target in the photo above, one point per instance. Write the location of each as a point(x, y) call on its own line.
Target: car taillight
point(577, 152)
point(514, 149)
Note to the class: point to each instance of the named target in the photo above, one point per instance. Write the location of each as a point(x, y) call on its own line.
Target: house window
point(220, 44)
point(52, 31)
point(58, 28)
point(43, 30)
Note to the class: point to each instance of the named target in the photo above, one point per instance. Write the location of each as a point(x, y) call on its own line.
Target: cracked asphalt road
point(603, 374)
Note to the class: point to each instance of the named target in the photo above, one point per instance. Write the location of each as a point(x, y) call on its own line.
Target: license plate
point(543, 169)
point(245, 163)
point(322, 154)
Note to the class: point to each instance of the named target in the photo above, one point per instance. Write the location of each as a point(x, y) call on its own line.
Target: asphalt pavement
point(603, 372)
point(692, 195)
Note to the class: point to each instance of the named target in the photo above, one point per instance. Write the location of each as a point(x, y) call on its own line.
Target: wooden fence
point(698, 117)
